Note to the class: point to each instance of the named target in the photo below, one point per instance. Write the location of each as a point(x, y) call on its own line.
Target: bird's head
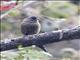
point(33, 19)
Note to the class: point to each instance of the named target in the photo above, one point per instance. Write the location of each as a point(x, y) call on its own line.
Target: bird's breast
point(30, 28)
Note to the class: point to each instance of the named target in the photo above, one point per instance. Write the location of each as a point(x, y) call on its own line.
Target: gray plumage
point(30, 26)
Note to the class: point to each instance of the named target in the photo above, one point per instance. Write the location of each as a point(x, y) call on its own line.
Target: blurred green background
point(54, 15)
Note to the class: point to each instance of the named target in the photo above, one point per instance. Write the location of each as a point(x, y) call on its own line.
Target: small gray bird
point(30, 26)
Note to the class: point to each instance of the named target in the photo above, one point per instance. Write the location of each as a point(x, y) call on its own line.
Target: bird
point(30, 26)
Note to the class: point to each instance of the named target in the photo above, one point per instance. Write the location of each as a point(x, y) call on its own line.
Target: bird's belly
point(29, 30)
point(32, 30)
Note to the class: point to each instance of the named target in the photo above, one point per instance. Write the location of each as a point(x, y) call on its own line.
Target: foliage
point(59, 9)
point(28, 53)
point(5, 26)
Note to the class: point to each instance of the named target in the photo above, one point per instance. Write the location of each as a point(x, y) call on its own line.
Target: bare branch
point(41, 39)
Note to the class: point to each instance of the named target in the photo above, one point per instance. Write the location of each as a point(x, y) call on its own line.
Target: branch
point(41, 39)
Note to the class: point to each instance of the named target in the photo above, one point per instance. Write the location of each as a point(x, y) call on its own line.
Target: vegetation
point(10, 26)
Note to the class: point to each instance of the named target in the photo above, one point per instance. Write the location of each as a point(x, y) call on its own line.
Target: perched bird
point(30, 26)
